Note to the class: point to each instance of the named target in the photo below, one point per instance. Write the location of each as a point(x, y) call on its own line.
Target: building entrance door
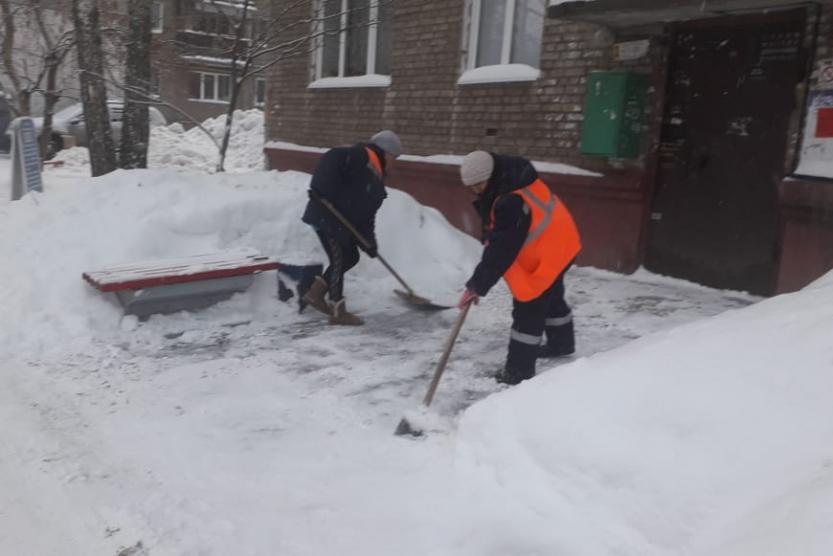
point(731, 92)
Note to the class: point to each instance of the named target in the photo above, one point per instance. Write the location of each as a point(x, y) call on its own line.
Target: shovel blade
point(405, 429)
point(419, 302)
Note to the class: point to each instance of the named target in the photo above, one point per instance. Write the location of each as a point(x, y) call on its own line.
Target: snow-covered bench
point(189, 283)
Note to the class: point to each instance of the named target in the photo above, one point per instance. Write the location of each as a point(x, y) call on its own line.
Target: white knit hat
point(477, 167)
point(388, 141)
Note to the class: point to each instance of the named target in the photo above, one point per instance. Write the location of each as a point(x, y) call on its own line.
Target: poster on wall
point(816, 157)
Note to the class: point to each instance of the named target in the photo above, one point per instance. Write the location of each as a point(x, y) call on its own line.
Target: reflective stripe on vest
point(552, 243)
point(374, 163)
point(548, 209)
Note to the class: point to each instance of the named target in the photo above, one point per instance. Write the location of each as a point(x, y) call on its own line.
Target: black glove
point(372, 250)
point(313, 194)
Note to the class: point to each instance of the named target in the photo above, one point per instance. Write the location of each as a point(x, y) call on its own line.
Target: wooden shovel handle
point(438, 373)
point(366, 244)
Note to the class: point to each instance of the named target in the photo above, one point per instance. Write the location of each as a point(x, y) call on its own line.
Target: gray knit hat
point(476, 167)
point(388, 141)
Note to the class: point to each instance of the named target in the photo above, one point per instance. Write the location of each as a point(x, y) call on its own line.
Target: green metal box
point(613, 114)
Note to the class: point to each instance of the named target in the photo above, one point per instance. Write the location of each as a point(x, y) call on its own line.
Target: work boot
point(315, 295)
point(508, 375)
point(551, 351)
point(340, 315)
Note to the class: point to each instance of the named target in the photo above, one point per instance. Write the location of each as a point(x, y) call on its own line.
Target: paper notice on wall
point(631, 50)
point(817, 145)
point(823, 76)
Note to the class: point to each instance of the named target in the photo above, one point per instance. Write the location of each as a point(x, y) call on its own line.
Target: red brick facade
point(175, 72)
point(539, 119)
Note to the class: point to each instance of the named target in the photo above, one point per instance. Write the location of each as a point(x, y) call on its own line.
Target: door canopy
point(630, 13)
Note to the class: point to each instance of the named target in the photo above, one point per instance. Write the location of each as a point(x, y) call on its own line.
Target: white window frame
point(472, 73)
point(258, 103)
point(160, 22)
point(155, 85)
point(370, 77)
point(216, 99)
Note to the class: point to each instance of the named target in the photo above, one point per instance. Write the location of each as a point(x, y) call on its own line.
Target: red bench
point(190, 283)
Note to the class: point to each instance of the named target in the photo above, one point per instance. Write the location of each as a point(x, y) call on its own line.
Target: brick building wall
point(539, 119)
point(174, 73)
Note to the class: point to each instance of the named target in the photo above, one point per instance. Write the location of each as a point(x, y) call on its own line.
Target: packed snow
point(499, 73)
point(192, 150)
point(691, 421)
point(448, 159)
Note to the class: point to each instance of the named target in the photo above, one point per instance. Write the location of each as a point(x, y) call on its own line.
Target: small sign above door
point(631, 50)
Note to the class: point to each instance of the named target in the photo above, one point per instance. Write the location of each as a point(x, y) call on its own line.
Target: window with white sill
point(354, 43)
point(504, 33)
point(260, 92)
point(210, 87)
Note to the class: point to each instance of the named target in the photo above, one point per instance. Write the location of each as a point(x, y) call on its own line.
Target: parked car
point(70, 122)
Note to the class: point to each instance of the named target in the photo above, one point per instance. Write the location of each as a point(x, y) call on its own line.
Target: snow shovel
point(302, 277)
point(406, 427)
point(409, 296)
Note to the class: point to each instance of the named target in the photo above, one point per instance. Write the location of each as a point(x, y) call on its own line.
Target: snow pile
point(710, 439)
point(193, 150)
point(126, 217)
point(75, 160)
point(450, 159)
point(171, 146)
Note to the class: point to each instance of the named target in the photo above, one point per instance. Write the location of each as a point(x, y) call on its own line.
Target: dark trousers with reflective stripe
point(548, 313)
point(342, 258)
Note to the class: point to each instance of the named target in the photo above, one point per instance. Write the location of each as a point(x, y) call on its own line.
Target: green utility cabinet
point(613, 114)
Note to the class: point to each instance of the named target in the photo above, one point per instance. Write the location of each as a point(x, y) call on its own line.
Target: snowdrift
point(132, 216)
point(173, 147)
point(710, 439)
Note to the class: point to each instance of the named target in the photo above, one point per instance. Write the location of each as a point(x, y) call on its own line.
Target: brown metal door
point(731, 92)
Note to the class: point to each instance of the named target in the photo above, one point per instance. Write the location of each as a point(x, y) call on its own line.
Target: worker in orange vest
point(530, 240)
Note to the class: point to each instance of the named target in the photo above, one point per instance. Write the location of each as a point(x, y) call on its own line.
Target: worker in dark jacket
point(530, 240)
point(352, 180)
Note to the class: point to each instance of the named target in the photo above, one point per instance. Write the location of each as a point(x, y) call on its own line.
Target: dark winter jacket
point(504, 237)
point(345, 177)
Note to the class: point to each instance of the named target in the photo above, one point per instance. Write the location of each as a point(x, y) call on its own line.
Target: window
point(210, 86)
point(157, 13)
point(257, 28)
point(505, 32)
point(356, 38)
point(212, 23)
point(155, 84)
point(260, 91)
point(116, 112)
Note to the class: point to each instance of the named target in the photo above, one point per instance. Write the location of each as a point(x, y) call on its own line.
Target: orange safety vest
point(551, 244)
point(374, 163)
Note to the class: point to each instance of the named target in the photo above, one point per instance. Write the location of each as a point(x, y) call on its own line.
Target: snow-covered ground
point(249, 429)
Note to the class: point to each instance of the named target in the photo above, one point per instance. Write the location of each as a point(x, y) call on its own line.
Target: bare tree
point(37, 37)
point(11, 14)
point(57, 47)
point(259, 40)
point(135, 130)
point(86, 17)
